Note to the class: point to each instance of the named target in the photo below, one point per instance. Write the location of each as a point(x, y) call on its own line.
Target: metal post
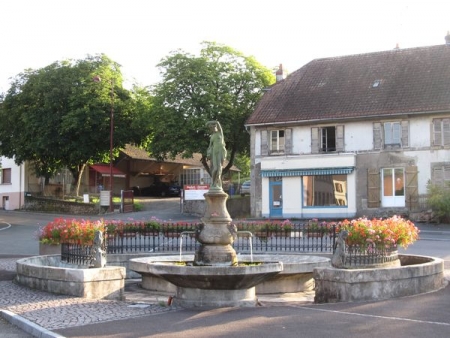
point(111, 134)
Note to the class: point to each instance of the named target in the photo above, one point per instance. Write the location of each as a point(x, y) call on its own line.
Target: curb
point(27, 326)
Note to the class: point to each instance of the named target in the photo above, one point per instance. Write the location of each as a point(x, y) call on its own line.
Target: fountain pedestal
point(216, 233)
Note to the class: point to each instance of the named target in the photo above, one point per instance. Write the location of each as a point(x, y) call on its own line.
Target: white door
point(393, 187)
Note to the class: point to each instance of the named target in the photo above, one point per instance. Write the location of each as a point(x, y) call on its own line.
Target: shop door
point(276, 197)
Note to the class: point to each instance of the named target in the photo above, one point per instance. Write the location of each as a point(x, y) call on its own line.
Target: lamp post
point(111, 135)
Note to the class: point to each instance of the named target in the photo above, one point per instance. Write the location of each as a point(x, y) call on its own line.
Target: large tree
point(221, 84)
point(58, 116)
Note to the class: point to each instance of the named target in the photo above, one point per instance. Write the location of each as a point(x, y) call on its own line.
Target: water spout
point(181, 240)
point(249, 236)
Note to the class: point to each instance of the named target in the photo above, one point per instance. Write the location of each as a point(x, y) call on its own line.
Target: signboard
point(195, 191)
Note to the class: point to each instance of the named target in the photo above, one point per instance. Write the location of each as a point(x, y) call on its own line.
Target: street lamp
point(111, 134)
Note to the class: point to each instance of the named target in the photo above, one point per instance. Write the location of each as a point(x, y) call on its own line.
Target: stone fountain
point(214, 278)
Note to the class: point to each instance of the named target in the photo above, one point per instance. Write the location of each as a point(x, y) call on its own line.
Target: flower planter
point(49, 249)
point(315, 234)
point(170, 234)
point(263, 235)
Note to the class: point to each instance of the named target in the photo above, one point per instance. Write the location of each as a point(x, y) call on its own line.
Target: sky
point(137, 34)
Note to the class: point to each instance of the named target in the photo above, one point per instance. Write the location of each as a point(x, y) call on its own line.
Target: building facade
point(350, 136)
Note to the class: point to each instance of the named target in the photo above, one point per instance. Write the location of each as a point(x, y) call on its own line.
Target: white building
point(350, 136)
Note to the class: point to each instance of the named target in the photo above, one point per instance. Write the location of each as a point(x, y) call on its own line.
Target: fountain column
point(216, 233)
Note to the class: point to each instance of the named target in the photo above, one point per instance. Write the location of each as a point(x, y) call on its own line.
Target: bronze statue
point(216, 153)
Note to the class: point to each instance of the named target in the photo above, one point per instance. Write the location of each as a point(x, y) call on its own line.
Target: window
point(393, 182)
point(192, 176)
point(441, 173)
point(328, 139)
point(5, 176)
point(324, 190)
point(441, 132)
point(392, 133)
point(277, 141)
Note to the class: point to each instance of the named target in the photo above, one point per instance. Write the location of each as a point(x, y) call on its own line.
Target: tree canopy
point(58, 116)
point(221, 84)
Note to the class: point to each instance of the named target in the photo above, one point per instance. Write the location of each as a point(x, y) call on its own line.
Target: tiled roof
point(140, 154)
point(398, 81)
point(136, 153)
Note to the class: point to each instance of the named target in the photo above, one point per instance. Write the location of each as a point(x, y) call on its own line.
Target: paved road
point(417, 316)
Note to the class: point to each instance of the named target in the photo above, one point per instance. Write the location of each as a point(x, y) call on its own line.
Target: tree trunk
point(80, 175)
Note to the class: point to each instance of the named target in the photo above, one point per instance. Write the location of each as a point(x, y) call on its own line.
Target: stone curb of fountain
point(28, 326)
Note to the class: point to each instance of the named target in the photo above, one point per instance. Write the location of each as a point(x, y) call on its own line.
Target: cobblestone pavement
point(52, 311)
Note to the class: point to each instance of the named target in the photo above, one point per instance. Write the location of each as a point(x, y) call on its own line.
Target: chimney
point(447, 39)
point(279, 73)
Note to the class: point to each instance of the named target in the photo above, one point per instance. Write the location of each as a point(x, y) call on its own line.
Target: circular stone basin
point(297, 274)
point(207, 277)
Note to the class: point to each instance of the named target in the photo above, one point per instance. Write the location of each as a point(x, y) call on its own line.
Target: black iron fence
point(369, 255)
point(180, 238)
point(78, 254)
point(300, 238)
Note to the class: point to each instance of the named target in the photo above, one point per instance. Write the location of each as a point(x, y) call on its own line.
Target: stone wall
point(418, 274)
point(237, 207)
point(48, 273)
point(59, 206)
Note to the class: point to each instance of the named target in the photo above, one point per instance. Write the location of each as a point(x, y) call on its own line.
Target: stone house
point(353, 135)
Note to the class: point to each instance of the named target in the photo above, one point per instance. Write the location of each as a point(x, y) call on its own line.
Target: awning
point(104, 169)
point(307, 172)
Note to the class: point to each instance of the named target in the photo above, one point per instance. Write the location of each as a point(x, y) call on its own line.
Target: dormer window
point(376, 83)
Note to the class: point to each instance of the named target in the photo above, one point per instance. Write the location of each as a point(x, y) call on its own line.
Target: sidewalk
point(145, 314)
point(42, 314)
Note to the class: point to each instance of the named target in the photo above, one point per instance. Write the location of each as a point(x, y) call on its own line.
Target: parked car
point(245, 188)
point(162, 189)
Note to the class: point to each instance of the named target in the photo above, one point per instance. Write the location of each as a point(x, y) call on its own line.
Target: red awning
point(104, 169)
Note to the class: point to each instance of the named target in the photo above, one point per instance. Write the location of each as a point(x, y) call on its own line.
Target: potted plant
point(375, 242)
point(62, 230)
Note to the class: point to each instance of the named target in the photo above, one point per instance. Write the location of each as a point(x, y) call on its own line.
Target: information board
point(195, 191)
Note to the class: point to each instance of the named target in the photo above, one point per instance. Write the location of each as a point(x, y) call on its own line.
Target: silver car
point(245, 188)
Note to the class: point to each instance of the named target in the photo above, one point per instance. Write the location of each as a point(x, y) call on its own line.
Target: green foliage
point(439, 199)
point(58, 116)
point(242, 161)
point(221, 84)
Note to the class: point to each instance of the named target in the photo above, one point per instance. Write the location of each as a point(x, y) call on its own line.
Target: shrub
point(380, 232)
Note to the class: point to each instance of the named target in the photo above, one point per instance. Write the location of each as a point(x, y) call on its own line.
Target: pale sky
point(139, 33)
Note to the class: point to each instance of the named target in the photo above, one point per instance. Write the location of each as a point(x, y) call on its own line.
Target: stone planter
point(49, 249)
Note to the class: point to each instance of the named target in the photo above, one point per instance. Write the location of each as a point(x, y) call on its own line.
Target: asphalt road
point(425, 315)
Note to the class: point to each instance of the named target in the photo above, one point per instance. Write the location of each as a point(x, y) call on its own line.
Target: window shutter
point(412, 188)
point(437, 132)
point(264, 144)
point(314, 140)
point(377, 140)
point(446, 132)
point(405, 134)
point(396, 133)
point(438, 175)
point(340, 138)
point(373, 187)
point(288, 141)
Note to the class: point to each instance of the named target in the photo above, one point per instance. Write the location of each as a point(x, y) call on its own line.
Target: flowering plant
point(261, 226)
point(69, 230)
point(380, 232)
point(314, 226)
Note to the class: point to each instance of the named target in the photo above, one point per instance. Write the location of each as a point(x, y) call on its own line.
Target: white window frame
point(277, 141)
point(392, 133)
